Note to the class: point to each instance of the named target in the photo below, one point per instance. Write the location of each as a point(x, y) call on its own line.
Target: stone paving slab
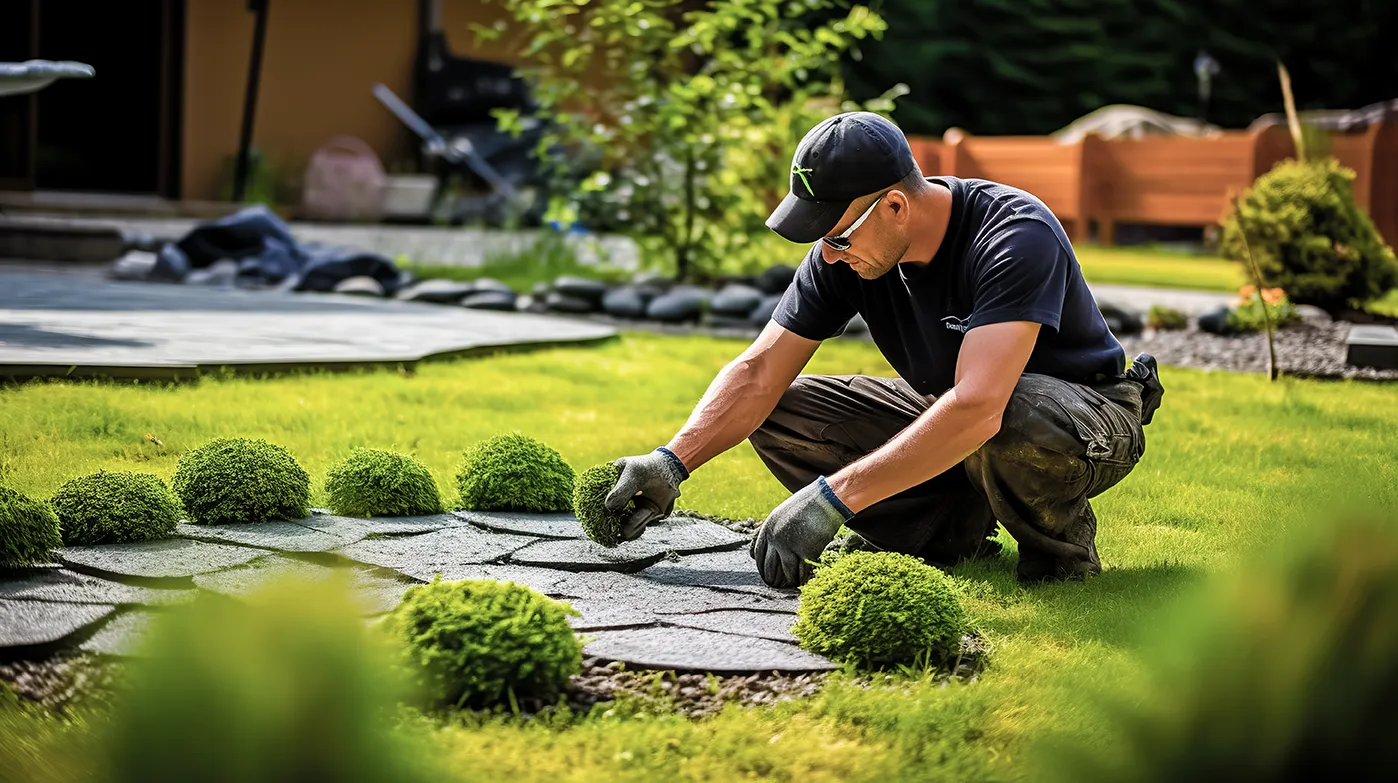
point(62, 322)
point(605, 614)
point(732, 569)
point(421, 557)
point(24, 623)
point(175, 558)
point(764, 625)
point(278, 536)
point(375, 594)
point(64, 586)
point(681, 535)
point(689, 649)
point(121, 636)
point(353, 529)
point(542, 525)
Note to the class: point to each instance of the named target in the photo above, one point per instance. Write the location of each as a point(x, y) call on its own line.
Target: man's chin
point(869, 272)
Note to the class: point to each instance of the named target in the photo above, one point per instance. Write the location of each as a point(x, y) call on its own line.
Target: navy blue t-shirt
point(1004, 258)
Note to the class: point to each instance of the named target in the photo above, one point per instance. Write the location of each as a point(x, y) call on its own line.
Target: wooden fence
point(1158, 181)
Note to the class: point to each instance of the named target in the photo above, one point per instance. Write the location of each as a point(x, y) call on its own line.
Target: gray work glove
point(796, 532)
point(653, 482)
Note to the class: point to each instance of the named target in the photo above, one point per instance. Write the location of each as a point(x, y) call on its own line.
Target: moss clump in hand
point(377, 483)
point(28, 530)
point(231, 480)
point(115, 508)
point(514, 472)
point(474, 643)
point(878, 609)
point(589, 495)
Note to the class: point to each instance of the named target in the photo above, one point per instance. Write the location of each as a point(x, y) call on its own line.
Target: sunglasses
point(841, 242)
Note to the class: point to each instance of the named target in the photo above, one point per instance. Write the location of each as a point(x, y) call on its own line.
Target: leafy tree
point(689, 138)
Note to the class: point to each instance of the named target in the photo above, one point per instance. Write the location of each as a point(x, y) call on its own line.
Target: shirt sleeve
point(813, 306)
point(1021, 275)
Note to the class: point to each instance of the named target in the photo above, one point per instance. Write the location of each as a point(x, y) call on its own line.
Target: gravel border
point(1305, 350)
point(697, 695)
point(63, 681)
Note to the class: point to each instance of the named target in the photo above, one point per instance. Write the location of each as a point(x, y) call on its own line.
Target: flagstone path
point(685, 596)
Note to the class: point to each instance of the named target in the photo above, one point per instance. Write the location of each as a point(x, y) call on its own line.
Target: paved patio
point(78, 323)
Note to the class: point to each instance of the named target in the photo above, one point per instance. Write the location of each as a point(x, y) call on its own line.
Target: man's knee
point(1034, 428)
point(777, 432)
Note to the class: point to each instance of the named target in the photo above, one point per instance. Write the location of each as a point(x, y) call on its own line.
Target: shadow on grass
point(1108, 608)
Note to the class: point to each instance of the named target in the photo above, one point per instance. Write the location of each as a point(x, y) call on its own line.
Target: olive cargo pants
point(1059, 445)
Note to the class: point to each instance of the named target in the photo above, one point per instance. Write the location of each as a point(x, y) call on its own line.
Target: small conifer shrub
point(1309, 236)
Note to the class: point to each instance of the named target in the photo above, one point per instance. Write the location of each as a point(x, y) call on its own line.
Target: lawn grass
point(1158, 268)
point(1387, 305)
point(547, 260)
point(1232, 464)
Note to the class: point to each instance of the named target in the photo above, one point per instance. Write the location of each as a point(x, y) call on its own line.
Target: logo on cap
point(800, 172)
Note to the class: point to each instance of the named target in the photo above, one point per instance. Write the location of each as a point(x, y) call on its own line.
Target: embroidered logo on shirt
point(955, 324)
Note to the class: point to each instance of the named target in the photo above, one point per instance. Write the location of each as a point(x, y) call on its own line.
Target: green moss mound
point(514, 472)
point(1310, 238)
point(28, 530)
point(476, 643)
point(877, 609)
point(589, 495)
point(115, 508)
point(233, 480)
point(378, 483)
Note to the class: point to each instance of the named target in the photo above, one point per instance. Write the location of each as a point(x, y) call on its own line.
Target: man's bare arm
point(990, 363)
point(742, 395)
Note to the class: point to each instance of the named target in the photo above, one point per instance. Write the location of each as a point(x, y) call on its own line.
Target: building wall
point(320, 60)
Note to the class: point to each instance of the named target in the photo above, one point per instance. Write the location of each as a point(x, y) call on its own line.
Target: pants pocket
point(1113, 443)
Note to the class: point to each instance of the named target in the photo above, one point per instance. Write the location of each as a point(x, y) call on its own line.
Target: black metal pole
point(259, 34)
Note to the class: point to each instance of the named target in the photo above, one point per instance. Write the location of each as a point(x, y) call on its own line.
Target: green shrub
point(374, 483)
point(1284, 670)
point(473, 643)
point(1247, 314)
point(878, 609)
point(231, 480)
point(284, 684)
point(589, 494)
point(1166, 319)
point(115, 508)
point(1309, 237)
point(514, 472)
point(28, 530)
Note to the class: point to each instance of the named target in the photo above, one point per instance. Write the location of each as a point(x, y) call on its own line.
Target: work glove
point(653, 482)
point(796, 532)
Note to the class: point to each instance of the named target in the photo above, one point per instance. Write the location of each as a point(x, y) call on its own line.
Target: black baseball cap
point(844, 157)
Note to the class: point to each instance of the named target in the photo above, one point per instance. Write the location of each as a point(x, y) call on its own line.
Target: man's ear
point(898, 200)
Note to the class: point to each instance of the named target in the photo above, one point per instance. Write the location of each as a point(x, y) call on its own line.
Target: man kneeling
point(1013, 402)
